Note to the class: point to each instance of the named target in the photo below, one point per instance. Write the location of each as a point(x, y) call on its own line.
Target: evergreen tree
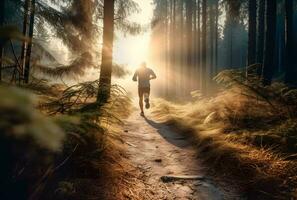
point(29, 49)
point(203, 50)
point(260, 33)
point(252, 31)
point(291, 68)
point(107, 51)
point(2, 11)
point(269, 51)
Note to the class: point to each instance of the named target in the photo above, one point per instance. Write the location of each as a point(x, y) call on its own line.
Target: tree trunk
point(261, 32)
point(107, 51)
point(252, 34)
point(211, 39)
point(25, 32)
point(198, 42)
point(172, 47)
point(291, 70)
point(203, 51)
point(269, 64)
point(182, 49)
point(216, 36)
point(2, 10)
point(189, 43)
point(194, 58)
point(174, 51)
point(165, 41)
point(179, 46)
point(231, 47)
point(29, 49)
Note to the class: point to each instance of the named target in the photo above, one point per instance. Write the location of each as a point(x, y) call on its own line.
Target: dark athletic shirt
point(143, 75)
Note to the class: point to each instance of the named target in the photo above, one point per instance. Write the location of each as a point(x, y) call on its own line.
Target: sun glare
point(131, 50)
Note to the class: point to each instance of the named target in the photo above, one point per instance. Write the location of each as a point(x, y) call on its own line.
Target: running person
point(144, 75)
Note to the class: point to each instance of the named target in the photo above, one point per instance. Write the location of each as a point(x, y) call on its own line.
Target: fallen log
point(169, 178)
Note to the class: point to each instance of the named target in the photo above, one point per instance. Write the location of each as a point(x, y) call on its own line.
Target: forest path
point(156, 150)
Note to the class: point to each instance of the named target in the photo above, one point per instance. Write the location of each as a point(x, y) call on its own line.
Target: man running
point(144, 75)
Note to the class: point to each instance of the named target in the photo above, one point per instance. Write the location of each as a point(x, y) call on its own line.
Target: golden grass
point(226, 129)
point(92, 164)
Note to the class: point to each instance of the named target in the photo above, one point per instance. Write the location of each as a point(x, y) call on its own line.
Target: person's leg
point(146, 98)
point(140, 94)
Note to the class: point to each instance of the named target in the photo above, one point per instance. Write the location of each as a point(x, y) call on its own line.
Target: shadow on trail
point(168, 134)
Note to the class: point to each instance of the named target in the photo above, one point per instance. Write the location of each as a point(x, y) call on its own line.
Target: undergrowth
point(57, 140)
point(247, 132)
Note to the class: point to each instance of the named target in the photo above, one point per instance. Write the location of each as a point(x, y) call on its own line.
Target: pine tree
point(189, 42)
point(252, 31)
point(211, 37)
point(198, 52)
point(203, 50)
point(216, 35)
point(2, 11)
point(25, 32)
point(29, 49)
point(107, 51)
point(269, 65)
point(260, 31)
point(291, 68)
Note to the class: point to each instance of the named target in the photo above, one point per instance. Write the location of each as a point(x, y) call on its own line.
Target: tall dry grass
point(244, 136)
point(52, 153)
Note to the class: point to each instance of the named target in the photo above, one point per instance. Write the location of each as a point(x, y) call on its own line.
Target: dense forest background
point(194, 40)
point(191, 40)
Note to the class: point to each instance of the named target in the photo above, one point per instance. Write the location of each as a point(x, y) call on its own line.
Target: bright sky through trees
point(132, 50)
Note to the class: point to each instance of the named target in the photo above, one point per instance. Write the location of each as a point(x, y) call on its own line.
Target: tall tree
point(203, 47)
point(189, 42)
point(181, 46)
point(2, 10)
point(174, 60)
point(260, 33)
point(211, 37)
point(165, 40)
point(216, 34)
point(290, 69)
point(25, 32)
point(269, 64)
point(252, 31)
point(107, 51)
point(198, 53)
point(29, 49)
point(172, 44)
point(194, 33)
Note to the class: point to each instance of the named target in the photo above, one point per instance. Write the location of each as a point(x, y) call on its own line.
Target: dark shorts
point(143, 90)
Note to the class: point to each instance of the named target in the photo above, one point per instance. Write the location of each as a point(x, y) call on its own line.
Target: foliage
point(234, 7)
point(279, 96)
point(74, 69)
point(37, 150)
point(88, 134)
point(29, 142)
point(77, 24)
point(17, 109)
point(80, 98)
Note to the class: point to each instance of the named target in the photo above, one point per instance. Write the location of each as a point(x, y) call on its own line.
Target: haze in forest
point(221, 122)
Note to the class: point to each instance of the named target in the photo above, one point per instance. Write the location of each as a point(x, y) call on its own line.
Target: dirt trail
point(156, 150)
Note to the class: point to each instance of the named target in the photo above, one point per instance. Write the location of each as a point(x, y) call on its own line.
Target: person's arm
point(135, 76)
point(153, 75)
